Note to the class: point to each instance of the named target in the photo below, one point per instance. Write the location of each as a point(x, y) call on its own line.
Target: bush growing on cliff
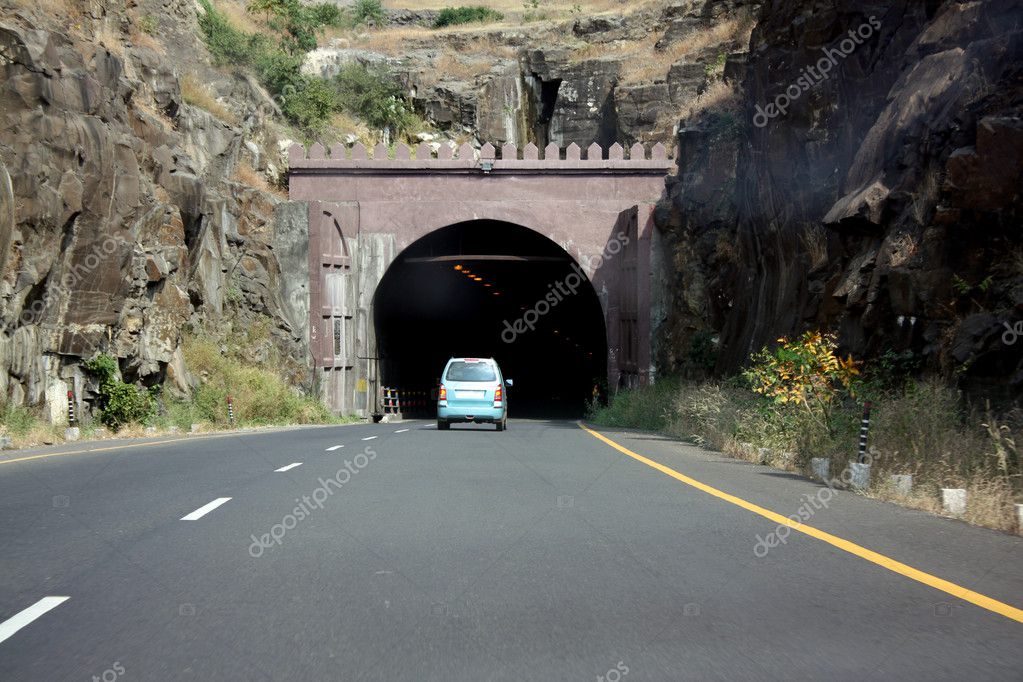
point(369, 12)
point(372, 94)
point(450, 16)
point(120, 403)
point(306, 101)
point(227, 44)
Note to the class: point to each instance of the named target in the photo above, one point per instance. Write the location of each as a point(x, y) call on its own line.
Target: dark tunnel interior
point(492, 289)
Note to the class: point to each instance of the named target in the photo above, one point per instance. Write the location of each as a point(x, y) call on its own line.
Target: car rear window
point(471, 371)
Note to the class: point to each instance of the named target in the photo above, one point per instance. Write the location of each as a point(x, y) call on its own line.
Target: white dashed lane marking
point(23, 618)
point(205, 509)
point(287, 468)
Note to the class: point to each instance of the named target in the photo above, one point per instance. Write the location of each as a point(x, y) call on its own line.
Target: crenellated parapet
point(466, 158)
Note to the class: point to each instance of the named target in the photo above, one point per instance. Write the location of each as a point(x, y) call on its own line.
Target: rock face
point(566, 89)
point(872, 187)
point(129, 225)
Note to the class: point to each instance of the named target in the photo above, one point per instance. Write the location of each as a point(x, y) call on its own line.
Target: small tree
point(806, 372)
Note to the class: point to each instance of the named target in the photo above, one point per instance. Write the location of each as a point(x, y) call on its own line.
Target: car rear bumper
point(470, 414)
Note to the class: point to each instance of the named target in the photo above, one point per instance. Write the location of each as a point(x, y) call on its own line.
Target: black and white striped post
point(230, 410)
point(864, 430)
point(72, 419)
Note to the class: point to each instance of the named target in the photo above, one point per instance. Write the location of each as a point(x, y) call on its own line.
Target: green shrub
point(120, 403)
point(280, 72)
point(372, 94)
point(148, 25)
point(642, 408)
point(325, 14)
point(450, 16)
point(227, 44)
point(311, 104)
point(368, 11)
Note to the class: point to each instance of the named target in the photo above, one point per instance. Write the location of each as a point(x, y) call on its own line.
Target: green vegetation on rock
point(308, 102)
point(120, 403)
point(450, 16)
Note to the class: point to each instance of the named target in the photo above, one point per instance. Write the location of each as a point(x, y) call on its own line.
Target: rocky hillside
point(142, 206)
point(871, 186)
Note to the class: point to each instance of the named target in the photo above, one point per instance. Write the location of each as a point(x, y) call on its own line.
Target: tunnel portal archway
point(386, 232)
point(487, 288)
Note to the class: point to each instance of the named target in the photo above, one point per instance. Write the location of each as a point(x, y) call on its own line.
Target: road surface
point(548, 552)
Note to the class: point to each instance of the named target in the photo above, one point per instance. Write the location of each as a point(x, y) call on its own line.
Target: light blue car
point(472, 390)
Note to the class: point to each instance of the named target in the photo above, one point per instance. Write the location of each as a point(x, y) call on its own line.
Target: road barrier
point(391, 400)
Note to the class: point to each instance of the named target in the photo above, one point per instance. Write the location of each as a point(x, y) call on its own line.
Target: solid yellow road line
point(873, 557)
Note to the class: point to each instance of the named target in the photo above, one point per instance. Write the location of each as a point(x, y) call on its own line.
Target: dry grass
point(246, 175)
point(341, 124)
point(71, 13)
point(655, 63)
point(717, 98)
point(515, 7)
point(146, 107)
point(110, 39)
point(450, 66)
point(143, 39)
point(389, 41)
point(195, 93)
point(240, 17)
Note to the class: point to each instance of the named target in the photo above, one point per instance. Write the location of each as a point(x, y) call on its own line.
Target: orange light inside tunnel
point(458, 267)
point(478, 279)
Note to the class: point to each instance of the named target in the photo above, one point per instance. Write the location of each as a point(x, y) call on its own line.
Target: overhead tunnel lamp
point(458, 267)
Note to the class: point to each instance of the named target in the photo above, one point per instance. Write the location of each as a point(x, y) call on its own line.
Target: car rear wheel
point(443, 425)
point(503, 424)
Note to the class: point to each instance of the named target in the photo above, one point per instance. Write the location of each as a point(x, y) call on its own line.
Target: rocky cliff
point(138, 214)
point(869, 184)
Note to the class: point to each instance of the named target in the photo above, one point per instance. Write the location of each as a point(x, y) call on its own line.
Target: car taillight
point(443, 394)
point(498, 395)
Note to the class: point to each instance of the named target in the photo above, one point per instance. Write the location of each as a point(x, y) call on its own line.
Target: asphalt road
point(541, 553)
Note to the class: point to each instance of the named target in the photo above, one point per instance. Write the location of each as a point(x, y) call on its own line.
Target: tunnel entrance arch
point(485, 288)
point(375, 222)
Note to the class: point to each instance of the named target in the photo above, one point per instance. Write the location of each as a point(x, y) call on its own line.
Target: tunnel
point(488, 288)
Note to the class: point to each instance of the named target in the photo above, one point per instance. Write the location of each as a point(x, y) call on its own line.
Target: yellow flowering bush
point(806, 372)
